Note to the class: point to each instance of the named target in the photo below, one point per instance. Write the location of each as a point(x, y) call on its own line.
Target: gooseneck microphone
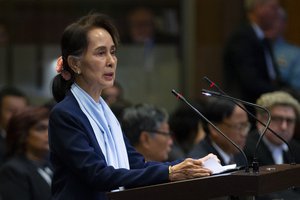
point(255, 163)
point(179, 96)
point(292, 161)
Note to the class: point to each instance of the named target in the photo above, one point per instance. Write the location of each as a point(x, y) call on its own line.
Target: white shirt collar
point(272, 146)
point(259, 33)
point(225, 156)
point(276, 151)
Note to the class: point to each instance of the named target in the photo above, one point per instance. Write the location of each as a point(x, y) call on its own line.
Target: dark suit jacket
point(263, 153)
point(80, 169)
point(205, 147)
point(19, 179)
point(2, 148)
point(245, 69)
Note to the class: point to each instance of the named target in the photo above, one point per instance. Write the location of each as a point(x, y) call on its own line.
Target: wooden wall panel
point(216, 19)
point(293, 25)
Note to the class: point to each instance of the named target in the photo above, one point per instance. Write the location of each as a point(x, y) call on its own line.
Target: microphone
point(292, 162)
point(179, 96)
point(255, 163)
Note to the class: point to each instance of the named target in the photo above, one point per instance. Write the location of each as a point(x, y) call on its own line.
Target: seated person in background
point(113, 94)
point(118, 108)
point(284, 110)
point(26, 174)
point(147, 128)
point(12, 101)
point(142, 28)
point(233, 122)
point(114, 97)
point(187, 128)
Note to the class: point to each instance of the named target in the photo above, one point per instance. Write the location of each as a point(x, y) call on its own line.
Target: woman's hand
point(190, 168)
point(208, 157)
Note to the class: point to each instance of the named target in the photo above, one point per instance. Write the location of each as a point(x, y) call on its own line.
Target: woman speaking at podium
point(88, 151)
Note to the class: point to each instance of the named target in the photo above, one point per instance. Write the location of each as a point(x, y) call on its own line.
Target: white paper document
point(216, 167)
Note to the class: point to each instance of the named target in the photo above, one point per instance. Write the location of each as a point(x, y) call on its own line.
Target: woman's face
point(98, 64)
point(37, 140)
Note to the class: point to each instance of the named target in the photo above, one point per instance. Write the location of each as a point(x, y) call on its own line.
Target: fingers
point(186, 164)
point(189, 168)
point(201, 174)
point(208, 157)
point(189, 173)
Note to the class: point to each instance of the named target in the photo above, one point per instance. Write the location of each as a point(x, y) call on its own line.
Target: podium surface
point(269, 179)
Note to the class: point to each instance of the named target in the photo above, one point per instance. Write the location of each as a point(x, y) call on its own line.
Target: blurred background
point(189, 40)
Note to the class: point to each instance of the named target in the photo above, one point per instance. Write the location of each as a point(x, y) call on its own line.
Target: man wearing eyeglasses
point(147, 128)
point(284, 110)
point(233, 122)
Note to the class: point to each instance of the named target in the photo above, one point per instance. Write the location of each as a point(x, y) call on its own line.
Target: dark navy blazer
point(20, 179)
point(80, 169)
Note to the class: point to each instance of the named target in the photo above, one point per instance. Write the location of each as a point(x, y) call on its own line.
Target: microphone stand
point(292, 162)
point(255, 163)
point(179, 96)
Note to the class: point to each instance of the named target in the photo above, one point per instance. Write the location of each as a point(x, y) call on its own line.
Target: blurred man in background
point(12, 101)
point(147, 128)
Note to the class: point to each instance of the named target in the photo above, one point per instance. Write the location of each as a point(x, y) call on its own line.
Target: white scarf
point(105, 126)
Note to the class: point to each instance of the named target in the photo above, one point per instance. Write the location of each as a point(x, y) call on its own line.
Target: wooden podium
point(270, 178)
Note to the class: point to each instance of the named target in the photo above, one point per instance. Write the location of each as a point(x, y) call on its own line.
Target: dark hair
point(216, 110)
point(10, 91)
point(18, 128)
point(49, 104)
point(118, 107)
point(184, 123)
point(120, 89)
point(74, 42)
point(141, 117)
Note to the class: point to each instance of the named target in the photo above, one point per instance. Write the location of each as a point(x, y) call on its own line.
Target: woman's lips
point(109, 76)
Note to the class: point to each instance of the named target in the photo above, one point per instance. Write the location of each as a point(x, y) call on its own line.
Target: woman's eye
point(101, 53)
point(113, 52)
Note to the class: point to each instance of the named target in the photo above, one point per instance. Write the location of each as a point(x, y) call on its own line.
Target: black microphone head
point(213, 84)
point(174, 92)
point(179, 96)
point(207, 79)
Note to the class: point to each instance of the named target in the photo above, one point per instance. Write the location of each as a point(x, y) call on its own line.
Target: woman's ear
point(74, 63)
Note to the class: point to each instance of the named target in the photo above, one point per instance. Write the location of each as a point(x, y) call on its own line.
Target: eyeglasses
point(279, 120)
point(241, 127)
point(168, 134)
point(40, 127)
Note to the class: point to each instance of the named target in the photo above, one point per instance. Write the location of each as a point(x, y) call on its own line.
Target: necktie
point(46, 173)
point(271, 64)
